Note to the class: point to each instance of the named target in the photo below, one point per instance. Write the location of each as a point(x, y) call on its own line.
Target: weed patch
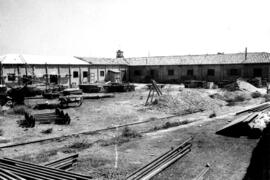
point(20, 110)
point(256, 94)
point(168, 125)
point(126, 135)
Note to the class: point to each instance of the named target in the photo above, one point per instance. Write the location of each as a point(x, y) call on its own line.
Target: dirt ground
point(104, 156)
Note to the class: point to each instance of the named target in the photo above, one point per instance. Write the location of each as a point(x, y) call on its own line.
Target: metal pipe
point(62, 159)
point(164, 166)
point(162, 156)
point(44, 173)
point(25, 174)
point(163, 161)
point(83, 177)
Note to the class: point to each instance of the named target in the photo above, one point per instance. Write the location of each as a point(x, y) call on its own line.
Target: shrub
point(231, 99)
point(168, 125)
point(125, 136)
point(21, 109)
point(256, 94)
point(213, 114)
point(80, 145)
point(239, 98)
point(47, 131)
point(127, 132)
point(44, 156)
point(267, 97)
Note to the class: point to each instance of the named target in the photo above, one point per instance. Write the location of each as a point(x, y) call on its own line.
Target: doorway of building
point(53, 79)
point(257, 72)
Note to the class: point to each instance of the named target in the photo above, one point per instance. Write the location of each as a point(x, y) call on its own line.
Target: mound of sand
point(243, 85)
point(185, 102)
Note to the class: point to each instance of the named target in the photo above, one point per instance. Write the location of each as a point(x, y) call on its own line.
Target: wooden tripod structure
point(152, 89)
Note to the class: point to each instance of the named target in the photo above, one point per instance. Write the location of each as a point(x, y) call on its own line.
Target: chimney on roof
point(245, 53)
point(119, 54)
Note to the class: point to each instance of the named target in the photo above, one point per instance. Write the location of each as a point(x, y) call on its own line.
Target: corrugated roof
point(237, 58)
point(37, 59)
point(104, 61)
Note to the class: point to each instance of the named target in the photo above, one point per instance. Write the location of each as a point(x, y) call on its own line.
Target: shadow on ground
point(259, 167)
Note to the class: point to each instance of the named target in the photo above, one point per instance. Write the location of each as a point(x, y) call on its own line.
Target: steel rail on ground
point(161, 162)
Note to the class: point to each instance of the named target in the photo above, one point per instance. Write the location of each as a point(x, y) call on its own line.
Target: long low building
point(72, 71)
point(68, 71)
point(208, 67)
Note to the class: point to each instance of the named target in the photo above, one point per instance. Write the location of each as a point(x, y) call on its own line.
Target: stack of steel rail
point(64, 163)
point(7, 175)
point(37, 172)
point(258, 108)
point(157, 165)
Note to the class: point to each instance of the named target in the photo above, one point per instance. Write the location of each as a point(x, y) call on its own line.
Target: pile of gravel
point(185, 102)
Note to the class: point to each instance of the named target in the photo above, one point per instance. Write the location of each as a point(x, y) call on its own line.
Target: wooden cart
point(71, 100)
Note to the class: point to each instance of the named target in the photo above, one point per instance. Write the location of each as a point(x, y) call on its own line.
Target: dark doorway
point(257, 72)
point(123, 75)
point(153, 74)
point(27, 79)
point(54, 79)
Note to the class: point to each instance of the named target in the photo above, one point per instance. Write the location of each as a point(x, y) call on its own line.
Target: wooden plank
point(242, 119)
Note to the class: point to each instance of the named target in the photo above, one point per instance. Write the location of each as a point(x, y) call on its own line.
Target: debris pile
point(250, 122)
point(261, 121)
point(242, 85)
point(185, 102)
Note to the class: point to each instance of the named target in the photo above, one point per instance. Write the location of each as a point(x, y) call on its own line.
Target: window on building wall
point(27, 79)
point(170, 72)
point(235, 72)
point(152, 72)
point(190, 72)
point(137, 72)
point(102, 73)
point(257, 72)
point(54, 79)
point(11, 77)
point(210, 72)
point(85, 74)
point(75, 74)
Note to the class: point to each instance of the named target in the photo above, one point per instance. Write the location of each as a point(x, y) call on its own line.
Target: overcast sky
point(138, 27)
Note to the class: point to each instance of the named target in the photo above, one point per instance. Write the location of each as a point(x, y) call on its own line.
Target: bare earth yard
point(104, 155)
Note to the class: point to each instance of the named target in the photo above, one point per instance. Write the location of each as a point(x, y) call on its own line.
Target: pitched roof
point(37, 59)
point(237, 58)
point(104, 61)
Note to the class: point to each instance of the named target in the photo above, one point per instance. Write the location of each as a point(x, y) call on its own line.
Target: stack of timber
point(90, 88)
point(72, 91)
point(64, 163)
point(57, 117)
point(38, 172)
point(119, 87)
point(97, 95)
point(257, 108)
point(239, 126)
point(157, 165)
